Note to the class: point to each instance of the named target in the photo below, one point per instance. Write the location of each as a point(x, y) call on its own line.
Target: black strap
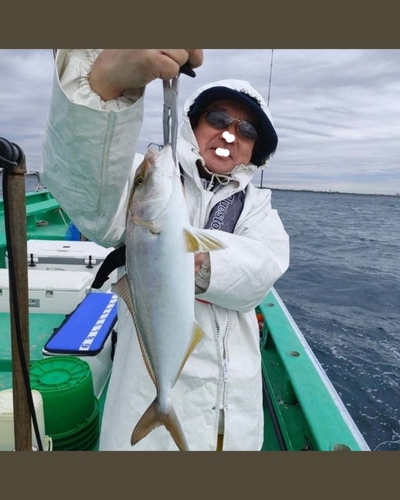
point(114, 259)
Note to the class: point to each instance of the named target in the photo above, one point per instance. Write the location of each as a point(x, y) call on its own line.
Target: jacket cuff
point(73, 70)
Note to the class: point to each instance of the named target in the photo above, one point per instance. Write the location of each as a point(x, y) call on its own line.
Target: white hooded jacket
point(88, 152)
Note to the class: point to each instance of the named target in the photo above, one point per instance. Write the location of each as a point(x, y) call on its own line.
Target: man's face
point(221, 151)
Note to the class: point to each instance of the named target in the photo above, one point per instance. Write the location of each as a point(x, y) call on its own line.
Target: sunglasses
point(221, 119)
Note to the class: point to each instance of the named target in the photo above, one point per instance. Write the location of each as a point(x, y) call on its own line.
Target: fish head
point(155, 183)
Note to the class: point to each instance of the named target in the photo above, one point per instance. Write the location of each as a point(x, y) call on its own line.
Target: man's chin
point(218, 164)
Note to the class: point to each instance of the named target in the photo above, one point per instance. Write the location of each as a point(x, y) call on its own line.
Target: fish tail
point(172, 424)
point(152, 418)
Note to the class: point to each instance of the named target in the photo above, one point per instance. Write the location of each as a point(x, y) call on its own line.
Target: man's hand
point(117, 70)
point(198, 261)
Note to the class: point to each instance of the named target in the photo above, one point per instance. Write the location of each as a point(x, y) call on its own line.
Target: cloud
point(337, 111)
point(25, 88)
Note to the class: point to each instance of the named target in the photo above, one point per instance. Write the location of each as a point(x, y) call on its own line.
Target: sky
point(336, 111)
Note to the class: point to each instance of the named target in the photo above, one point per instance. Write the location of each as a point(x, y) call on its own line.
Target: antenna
point(270, 76)
point(269, 94)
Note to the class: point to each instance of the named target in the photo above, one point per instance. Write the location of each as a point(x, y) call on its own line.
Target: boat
point(302, 409)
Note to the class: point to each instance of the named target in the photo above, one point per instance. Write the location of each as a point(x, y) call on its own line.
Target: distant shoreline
point(327, 192)
point(34, 173)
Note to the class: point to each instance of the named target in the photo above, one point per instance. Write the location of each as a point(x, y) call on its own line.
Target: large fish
point(158, 286)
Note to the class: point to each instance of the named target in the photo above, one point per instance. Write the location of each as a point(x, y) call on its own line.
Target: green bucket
point(66, 386)
point(83, 438)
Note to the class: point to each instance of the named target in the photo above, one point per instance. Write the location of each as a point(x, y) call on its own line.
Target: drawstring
point(220, 178)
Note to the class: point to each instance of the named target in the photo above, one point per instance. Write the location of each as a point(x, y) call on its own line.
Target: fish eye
point(139, 180)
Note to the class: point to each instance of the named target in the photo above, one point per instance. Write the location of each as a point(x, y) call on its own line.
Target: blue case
point(86, 329)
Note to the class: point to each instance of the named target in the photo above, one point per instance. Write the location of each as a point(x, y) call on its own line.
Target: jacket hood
point(241, 90)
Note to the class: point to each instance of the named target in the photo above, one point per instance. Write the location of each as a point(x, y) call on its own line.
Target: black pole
point(13, 160)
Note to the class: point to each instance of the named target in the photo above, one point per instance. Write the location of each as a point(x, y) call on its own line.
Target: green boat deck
point(41, 327)
point(302, 410)
point(299, 411)
point(44, 219)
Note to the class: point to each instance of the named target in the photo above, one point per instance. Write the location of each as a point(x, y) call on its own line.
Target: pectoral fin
point(150, 225)
point(199, 240)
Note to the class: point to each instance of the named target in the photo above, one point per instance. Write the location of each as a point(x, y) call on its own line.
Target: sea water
point(343, 290)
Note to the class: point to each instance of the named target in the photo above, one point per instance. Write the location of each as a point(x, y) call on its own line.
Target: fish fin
point(150, 225)
point(197, 335)
point(198, 240)
point(152, 418)
point(172, 424)
point(121, 288)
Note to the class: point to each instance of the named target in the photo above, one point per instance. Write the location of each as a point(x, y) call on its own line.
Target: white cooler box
point(50, 292)
point(62, 255)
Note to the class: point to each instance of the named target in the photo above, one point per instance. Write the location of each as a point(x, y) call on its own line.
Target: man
point(226, 134)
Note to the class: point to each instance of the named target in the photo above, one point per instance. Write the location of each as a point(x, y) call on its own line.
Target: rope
point(59, 210)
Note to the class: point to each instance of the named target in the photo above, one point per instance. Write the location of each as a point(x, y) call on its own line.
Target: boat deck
point(288, 425)
point(41, 327)
point(302, 410)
